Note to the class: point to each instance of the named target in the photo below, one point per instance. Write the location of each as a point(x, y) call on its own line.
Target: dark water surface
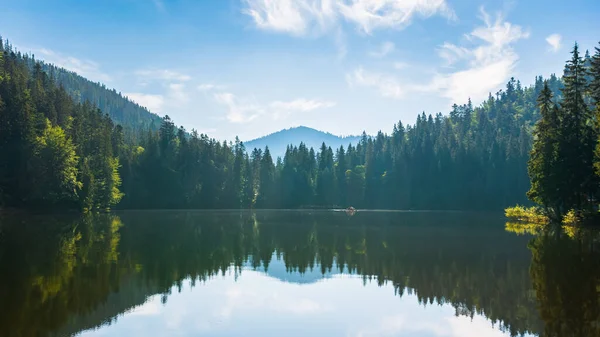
point(292, 273)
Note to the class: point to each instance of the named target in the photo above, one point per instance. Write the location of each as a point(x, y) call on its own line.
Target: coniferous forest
point(67, 143)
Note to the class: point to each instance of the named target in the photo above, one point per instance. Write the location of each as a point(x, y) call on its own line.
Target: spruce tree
point(595, 95)
point(577, 142)
point(542, 164)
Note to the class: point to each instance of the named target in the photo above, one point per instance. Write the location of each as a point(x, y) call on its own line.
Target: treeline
point(62, 153)
point(474, 158)
point(565, 161)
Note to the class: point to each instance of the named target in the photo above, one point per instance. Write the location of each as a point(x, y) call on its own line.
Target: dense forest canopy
point(66, 153)
point(565, 160)
point(121, 109)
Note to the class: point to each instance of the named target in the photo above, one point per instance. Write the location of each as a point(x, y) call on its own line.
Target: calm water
point(294, 274)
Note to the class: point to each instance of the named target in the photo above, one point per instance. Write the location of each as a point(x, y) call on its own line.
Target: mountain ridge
point(279, 140)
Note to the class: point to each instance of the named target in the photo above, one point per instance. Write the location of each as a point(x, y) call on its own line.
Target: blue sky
point(252, 67)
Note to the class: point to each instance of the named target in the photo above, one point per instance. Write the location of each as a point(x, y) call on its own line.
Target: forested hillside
point(54, 152)
point(61, 152)
point(121, 110)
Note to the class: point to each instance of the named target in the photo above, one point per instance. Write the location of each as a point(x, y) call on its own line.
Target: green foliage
point(74, 274)
point(60, 152)
point(54, 167)
point(474, 158)
point(544, 161)
point(561, 167)
point(531, 215)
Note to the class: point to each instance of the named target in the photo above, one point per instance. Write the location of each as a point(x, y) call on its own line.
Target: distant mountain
point(279, 140)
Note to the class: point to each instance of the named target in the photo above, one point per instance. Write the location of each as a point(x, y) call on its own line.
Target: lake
point(293, 273)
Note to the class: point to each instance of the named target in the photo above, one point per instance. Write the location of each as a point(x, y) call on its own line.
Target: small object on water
point(350, 210)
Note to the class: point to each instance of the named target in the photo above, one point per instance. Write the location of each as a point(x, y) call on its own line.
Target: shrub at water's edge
point(532, 215)
point(531, 220)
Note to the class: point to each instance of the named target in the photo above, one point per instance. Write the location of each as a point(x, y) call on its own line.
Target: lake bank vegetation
point(564, 164)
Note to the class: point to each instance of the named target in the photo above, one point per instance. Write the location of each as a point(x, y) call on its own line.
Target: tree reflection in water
point(64, 275)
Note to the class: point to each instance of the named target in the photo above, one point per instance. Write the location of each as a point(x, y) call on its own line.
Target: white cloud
point(300, 17)
point(302, 105)
point(86, 68)
point(238, 111)
point(369, 15)
point(290, 16)
point(452, 53)
point(281, 109)
point(387, 86)
point(163, 75)
point(487, 65)
point(210, 87)
point(554, 41)
point(386, 48)
point(178, 94)
point(245, 110)
point(153, 103)
point(482, 67)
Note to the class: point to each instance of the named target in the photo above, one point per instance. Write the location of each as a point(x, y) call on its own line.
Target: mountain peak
point(278, 141)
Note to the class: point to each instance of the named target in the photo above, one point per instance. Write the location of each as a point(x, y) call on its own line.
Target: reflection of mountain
point(65, 276)
point(278, 270)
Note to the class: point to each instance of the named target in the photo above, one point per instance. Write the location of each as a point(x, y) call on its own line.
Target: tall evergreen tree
point(578, 141)
point(266, 190)
point(543, 163)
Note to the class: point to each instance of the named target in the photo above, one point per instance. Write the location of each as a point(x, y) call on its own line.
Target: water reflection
point(61, 276)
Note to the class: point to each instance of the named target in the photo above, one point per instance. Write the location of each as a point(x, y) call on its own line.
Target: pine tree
point(578, 141)
point(266, 188)
point(543, 163)
point(595, 95)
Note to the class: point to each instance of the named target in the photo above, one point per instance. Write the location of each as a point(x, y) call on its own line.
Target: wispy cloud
point(153, 103)
point(301, 17)
point(238, 111)
point(482, 67)
point(245, 110)
point(210, 87)
point(369, 15)
point(162, 75)
point(385, 48)
point(554, 41)
point(387, 86)
point(302, 104)
point(452, 53)
point(282, 109)
point(178, 94)
point(487, 66)
point(86, 68)
point(290, 16)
